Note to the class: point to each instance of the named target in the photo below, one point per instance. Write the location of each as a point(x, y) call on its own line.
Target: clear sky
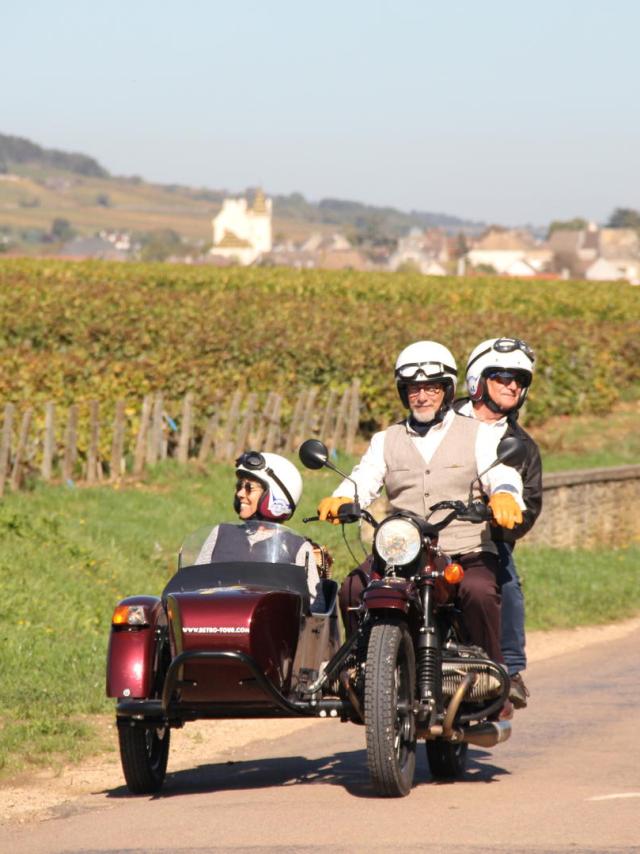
point(497, 110)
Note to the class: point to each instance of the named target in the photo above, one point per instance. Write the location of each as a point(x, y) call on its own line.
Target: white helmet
point(495, 355)
point(426, 361)
point(281, 480)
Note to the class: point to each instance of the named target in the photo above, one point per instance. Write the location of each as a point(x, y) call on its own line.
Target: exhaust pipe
point(486, 734)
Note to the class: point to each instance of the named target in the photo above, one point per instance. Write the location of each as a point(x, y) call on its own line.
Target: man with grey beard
point(433, 455)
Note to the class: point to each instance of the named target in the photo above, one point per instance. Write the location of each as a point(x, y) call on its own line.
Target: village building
point(242, 233)
point(510, 252)
point(424, 251)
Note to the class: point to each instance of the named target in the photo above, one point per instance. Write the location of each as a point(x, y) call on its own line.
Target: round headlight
point(398, 541)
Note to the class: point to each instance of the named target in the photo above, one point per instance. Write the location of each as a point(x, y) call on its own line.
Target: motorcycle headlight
point(398, 541)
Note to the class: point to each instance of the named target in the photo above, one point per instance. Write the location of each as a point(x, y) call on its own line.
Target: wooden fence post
point(353, 417)
point(245, 425)
point(16, 473)
point(70, 444)
point(310, 415)
point(93, 453)
point(296, 417)
point(340, 420)
point(141, 438)
point(328, 418)
point(49, 441)
point(227, 445)
point(185, 428)
point(272, 441)
point(154, 439)
point(209, 437)
point(263, 422)
point(5, 444)
point(117, 442)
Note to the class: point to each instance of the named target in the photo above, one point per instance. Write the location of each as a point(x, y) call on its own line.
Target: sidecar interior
point(263, 576)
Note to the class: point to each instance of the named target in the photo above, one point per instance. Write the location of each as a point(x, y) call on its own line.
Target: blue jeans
point(513, 637)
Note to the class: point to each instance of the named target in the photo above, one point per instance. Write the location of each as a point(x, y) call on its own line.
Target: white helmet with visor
point(426, 361)
point(281, 480)
point(506, 357)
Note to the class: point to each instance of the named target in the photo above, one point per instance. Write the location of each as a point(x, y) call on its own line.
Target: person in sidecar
point(433, 455)
point(268, 489)
point(499, 373)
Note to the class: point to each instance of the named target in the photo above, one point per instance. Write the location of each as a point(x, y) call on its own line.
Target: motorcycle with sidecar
point(242, 639)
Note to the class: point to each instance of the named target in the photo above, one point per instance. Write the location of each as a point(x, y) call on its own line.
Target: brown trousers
point(478, 597)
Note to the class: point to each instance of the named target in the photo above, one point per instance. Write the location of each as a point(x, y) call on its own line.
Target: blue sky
point(503, 111)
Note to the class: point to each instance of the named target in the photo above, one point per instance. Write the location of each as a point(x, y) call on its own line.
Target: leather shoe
point(518, 692)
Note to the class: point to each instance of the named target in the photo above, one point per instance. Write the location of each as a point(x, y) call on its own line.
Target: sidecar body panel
point(133, 650)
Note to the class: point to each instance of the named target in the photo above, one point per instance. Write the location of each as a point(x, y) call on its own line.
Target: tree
point(575, 224)
point(61, 229)
point(624, 218)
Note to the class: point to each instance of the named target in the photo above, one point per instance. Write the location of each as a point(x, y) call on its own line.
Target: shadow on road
point(347, 769)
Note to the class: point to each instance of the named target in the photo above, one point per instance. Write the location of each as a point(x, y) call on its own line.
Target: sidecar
point(226, 638)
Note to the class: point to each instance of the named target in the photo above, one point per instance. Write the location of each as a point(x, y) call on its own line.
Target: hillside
point(39, 185)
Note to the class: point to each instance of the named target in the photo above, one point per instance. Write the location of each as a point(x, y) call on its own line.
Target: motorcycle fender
point(383, 596)
point(132, 654)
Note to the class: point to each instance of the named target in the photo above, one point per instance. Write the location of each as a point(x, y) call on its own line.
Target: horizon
point(492, 113)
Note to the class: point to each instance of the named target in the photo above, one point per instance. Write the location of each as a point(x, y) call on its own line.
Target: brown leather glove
point(505, 509)
point(329, 507)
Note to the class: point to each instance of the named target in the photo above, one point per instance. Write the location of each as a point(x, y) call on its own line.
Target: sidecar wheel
point(447, 761)
point(388, 710)
point(144, 752)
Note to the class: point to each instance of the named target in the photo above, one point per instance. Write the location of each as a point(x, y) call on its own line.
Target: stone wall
point(589, 508)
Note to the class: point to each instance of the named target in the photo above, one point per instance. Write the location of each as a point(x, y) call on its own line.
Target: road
point(568, 780)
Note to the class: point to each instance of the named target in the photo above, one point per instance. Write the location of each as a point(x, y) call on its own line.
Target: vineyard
point(78, 332)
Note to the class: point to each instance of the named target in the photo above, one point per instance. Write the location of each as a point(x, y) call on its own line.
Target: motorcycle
point(242, 639)
point(412, 674)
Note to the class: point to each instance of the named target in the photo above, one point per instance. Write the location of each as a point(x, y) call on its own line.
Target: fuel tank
point(262, 624)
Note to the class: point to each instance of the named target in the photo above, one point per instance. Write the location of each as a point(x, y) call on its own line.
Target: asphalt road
point(568, 780)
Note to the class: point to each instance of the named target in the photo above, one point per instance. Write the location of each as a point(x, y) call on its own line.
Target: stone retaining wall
point(589, 508)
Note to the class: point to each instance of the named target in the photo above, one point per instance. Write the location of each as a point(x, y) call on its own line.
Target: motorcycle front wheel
point(144, 752)
point(388, 709)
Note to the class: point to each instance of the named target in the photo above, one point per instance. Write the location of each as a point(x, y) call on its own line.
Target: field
point(73, 332)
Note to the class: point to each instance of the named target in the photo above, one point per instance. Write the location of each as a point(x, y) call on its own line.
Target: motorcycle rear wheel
point(388, 710)
point(144, 752)
point(447, 761)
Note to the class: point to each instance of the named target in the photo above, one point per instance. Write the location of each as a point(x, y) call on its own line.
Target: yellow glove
point(329, 507)
point(505, 509)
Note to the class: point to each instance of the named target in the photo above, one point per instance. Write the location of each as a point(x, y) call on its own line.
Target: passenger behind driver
point(268, 489)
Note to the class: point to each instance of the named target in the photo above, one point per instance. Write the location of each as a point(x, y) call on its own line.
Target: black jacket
point(531, 473)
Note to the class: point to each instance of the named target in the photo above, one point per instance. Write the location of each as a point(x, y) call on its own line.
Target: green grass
point(69, 554)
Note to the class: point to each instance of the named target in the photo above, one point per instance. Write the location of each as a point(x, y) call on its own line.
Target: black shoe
point(518, 692)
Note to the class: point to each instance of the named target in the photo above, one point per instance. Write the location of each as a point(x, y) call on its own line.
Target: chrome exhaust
point(486, 734)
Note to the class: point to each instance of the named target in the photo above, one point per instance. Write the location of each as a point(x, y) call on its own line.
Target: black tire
point(144, 752)
point(447, 760)
point(390, 677)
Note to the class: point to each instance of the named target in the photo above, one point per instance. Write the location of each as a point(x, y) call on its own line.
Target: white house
point(243, 233)
point(609, 270)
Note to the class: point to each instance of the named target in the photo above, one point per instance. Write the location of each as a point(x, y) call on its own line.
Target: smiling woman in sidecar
point(268, 489)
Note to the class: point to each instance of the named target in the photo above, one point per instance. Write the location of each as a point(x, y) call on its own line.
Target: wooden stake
point(117, 442)
point(227, 445)
point(16, 473)
point(5, 444)
point(93, 454)
point(272, 442)
point(70, 444)
point(49, 441)
point(209, 438)
point(185, 428)
point(141, 439)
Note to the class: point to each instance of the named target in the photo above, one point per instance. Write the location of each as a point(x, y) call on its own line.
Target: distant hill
point(39, 185)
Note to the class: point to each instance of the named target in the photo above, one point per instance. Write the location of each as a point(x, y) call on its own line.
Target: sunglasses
point(247, 486)
point(507, 377)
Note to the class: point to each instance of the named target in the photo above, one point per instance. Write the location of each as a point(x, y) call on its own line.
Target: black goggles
point(506, 345)
point(254, 461)
point(521, 377)
point(431, 371)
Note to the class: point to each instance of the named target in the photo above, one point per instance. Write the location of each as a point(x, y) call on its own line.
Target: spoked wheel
point(447, 760)
point(388, 710)
point(144, 752)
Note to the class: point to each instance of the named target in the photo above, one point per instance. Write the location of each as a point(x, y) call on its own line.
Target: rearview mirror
point(313, 454)
point(512, 451)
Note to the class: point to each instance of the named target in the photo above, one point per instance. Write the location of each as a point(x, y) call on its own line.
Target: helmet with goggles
point(506, 358)
point(281, 481)
point(426, 361)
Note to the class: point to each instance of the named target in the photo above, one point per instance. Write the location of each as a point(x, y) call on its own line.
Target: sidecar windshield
point(263, 542)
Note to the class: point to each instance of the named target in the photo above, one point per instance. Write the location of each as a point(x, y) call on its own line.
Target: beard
point(425, 416)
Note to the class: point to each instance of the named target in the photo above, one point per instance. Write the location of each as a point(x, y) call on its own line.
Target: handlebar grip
point(310, 518)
